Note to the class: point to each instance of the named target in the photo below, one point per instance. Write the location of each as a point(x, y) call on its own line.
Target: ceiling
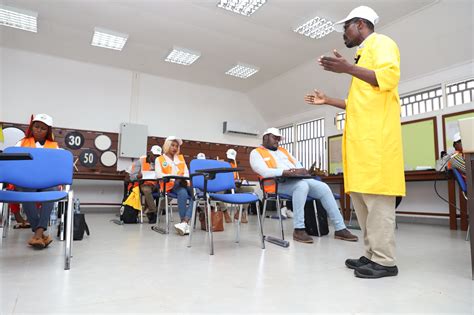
point(264, 39)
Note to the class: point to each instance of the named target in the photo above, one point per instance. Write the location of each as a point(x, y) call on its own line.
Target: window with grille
point(340, 120)
point(421, 102)
point(310, 146)
point(288, 138)
point(460, 92)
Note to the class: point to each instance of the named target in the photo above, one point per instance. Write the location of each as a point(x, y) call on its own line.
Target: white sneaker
point(283, 212)
point(289, 213)
point(180, 228)
point(186, 229)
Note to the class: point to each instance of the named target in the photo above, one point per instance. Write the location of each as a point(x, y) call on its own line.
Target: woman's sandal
point(24, 225)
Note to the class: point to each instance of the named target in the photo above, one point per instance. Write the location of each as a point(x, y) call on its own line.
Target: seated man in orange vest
point(270, 160)
point(146, 163)
point(457, 160)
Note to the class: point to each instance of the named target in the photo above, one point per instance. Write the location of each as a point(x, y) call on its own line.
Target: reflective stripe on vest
point(269, 186)
point(31, 143)
point(167, 169)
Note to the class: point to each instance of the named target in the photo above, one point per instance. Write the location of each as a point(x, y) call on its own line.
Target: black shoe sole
point(363, 276)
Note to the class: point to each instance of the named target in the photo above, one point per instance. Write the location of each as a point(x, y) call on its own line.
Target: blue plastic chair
point(48, 168)
point(213, 186)
point(462, 185)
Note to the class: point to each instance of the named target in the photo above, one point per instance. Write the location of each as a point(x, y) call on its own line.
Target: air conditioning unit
point(238, 128)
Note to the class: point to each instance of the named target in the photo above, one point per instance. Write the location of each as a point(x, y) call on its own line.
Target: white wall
point(87, 96)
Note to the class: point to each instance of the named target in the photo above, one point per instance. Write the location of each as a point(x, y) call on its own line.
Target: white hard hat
point(362, 12)
point(173, 138)
point(156, 150)
point(48, 120)
point(273, 131)
point(456, 137)
point(231, 154)
point(201, 156)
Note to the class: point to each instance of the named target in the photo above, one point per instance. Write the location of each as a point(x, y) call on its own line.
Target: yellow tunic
point(372, 148)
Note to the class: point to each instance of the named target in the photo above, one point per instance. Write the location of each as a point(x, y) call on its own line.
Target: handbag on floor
point(80, 227)
point(217, 220)
point(310, 220)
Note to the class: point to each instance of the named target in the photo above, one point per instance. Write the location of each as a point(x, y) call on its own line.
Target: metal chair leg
point(62, 218)
point(316, 216)
point(279, 217)
point(260, 226)
point(69, 224)
point(209, 226)
point(237, 237)
point(5, 220)
point(468, 231)
point(167, 228)
point(264, 210)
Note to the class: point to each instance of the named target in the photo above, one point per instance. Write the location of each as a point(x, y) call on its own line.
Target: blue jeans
point(300, 189)
point(184, 194)
point(38, 217)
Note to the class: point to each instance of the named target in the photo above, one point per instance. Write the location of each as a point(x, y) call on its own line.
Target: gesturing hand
point(335, 64)
point(317, 98)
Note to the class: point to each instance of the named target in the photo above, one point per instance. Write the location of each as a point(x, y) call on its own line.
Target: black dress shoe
point(356, 263)
point(374, 271)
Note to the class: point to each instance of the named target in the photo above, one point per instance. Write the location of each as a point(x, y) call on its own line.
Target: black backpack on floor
point(129, 215)
point(310, 220)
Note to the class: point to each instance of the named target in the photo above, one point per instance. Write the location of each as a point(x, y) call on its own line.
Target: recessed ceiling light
point(108, 39)
point(244, 7)
point(183, 56)
point(18, 18)
point(316, 28)
point(242, 71)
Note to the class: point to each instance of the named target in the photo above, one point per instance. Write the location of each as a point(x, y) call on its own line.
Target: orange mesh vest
point(233, 164)
point(269, 186)
point(167, 169)
point(31, 143)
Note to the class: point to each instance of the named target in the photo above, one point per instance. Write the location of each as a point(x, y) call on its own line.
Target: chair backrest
point(223, 181)
point(48, 168)
point(460, 180)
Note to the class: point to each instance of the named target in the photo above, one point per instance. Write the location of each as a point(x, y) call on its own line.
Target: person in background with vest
point(146, 163)
point(372, 150)
point(270, 160)
point(231, 155)
point(39, 135)
point(173, 163)
point(457, 160)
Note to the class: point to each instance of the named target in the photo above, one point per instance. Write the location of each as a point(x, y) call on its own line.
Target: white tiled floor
point(131, 269)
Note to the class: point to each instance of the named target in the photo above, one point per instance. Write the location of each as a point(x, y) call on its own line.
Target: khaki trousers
point(149, 201)
point(376, 217)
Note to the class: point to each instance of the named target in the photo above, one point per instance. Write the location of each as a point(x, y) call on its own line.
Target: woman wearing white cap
point(173, 163)
point(39, 135)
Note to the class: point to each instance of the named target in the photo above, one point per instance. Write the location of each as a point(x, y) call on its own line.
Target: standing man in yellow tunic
point(372, 140)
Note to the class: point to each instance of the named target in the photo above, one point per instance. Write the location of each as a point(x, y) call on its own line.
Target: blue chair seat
point(243, 198)
point(289, 197)
point(43, 196)
point(337, 196)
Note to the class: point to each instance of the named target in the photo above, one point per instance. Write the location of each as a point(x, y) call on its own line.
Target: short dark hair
point(369, 24)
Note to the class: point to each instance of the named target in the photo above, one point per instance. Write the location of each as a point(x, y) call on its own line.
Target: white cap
point(456, 137)
point(48, 120)
point(173, 138)
point(156, 150)
point(231, 154)
point(362, 12)
point(273, 131)
point(201, 156)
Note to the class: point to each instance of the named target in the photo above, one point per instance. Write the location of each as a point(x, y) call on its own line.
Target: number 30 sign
point(74, 140)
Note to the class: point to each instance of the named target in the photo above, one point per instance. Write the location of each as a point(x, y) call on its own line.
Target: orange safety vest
point(234, 165)
point(145, 166)
point(269, 186)
point(167, 169)
point(31, 143)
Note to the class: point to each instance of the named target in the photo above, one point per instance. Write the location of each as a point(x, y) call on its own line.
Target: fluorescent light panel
point(315, 28)
point(182, 56)
point(244, 7)
point(108, 39)
point(242, 71)
point(18, 18)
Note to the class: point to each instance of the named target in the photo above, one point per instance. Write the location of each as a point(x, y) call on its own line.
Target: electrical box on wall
point(132, 140)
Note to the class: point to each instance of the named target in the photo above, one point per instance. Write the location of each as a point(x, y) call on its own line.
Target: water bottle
point(54, 215)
